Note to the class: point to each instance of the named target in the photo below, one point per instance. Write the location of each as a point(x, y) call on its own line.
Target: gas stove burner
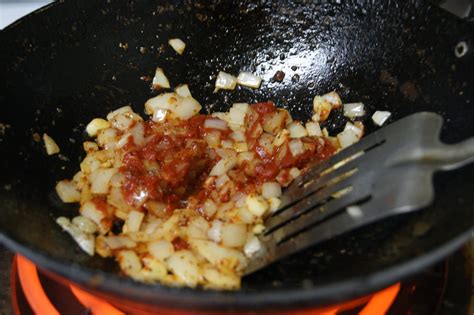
point(443, 289)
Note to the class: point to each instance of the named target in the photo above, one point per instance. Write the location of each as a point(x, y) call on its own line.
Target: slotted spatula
point(388, 172)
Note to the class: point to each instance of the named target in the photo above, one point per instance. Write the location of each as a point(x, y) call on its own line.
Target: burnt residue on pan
point(80, 59)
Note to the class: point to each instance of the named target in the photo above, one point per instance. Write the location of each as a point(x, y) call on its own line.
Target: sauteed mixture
point(181, 198)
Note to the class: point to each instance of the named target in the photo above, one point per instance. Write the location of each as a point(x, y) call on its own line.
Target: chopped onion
point(89, 210)
point(238, 136)
point(183, 90)
point(349, 135)
point(84, 224)
point(134, 220)
point(223, 166)
point(380, 117)
point(129, 263)
point(220, 255)
point(96, 125)
point(138, 134)
point(209, 208)
point(271, 189)
point(166, 101)
point(332, 98)
point(221, 180)
point(213, 139)
point(67, 191)
point(313, 128)
point(184, 265)
point(100, 180)
point(214, 233)
point(177, 44)
point(119, 111)
point(225, 81)
point(85, 241)
point(160, 249)
point(295, 172)
point(322, 109)
point(237, 113)
point(187, 108)
point(249, 79)
point(352, 110)
point(274, 203)
point(297, 130)
point(252, 247)
point(159, 115)
point(50, 145)
point(296, 147)
point(281, 137)
point(257, 205)
point(160, 80)
point(215, 123)
point(115, 242)
point(233, 235)
point(90, 146)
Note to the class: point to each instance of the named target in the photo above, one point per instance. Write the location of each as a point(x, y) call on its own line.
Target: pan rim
point(186, 298)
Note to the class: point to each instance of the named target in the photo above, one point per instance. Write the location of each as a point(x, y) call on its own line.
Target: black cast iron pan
point(62, 66)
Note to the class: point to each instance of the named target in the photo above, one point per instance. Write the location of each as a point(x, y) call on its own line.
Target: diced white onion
point(215, 232)
point(271, 189)
point(380, 117)
point(332, 98)
point(209, 207)
point(115, 242)
point(187, 108)
point(257, 205)
point(356, 130)
point(50, 145)
point(166, 101)
point(184, 265)
point(322, 109)
point(160, 80)
point(274, 203)
point(138, 134)
point(249, 79)
point(177, 44)
point(84, 224)
point(85, 241)
point(296, 147)
point(295, 172)
point(233, 235)
point(96, 125)
point(297, 130)
point(313, 128)
point(349, 135)
point(67, 191)
point(100, 180)
point(352, 110)
point(223, 166)
point(252, 247)
point(160, 249)
point(183, 90)
point(134, 220)
point(237, 114)
point(119, 111)
point(225, 81)
point(215, 123)
point(159, 115)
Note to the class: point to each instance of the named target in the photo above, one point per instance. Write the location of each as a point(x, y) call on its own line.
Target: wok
point(63, 65)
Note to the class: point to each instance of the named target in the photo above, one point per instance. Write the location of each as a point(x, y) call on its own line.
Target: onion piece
point(296, 147)
point(187, 108)
point(134, 220)
point(209, 207)
point(50, 145)
point(160, 249)
point(249, 79)
point(100, 180)
point(215, 123)
point(322, 109)
point(184, 266)
point(257, 205)
point(67, 191)
point(297, 130)
point(237, 113)
point(118, 111)
point(160, 81)
point(177, 44)
point(380, 117)
point(352, 110)
point(313, 128)
point(225, 81)
point(223, 166)
point(215, 232)
point(96, 125)
point(183, 90)
point(85, 241)
point(252, 247)
point(166, 101)
point(271, 189)
point(350, 135)
point(332, 98)
point(84, 224)
point(233, 235)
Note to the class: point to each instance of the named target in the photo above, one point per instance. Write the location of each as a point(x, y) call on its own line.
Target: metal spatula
point(388, 172)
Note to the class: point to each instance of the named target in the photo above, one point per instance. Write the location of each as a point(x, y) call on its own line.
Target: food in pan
point(180, 198)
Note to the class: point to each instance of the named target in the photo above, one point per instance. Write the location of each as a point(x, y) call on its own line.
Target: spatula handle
point(456, 155)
